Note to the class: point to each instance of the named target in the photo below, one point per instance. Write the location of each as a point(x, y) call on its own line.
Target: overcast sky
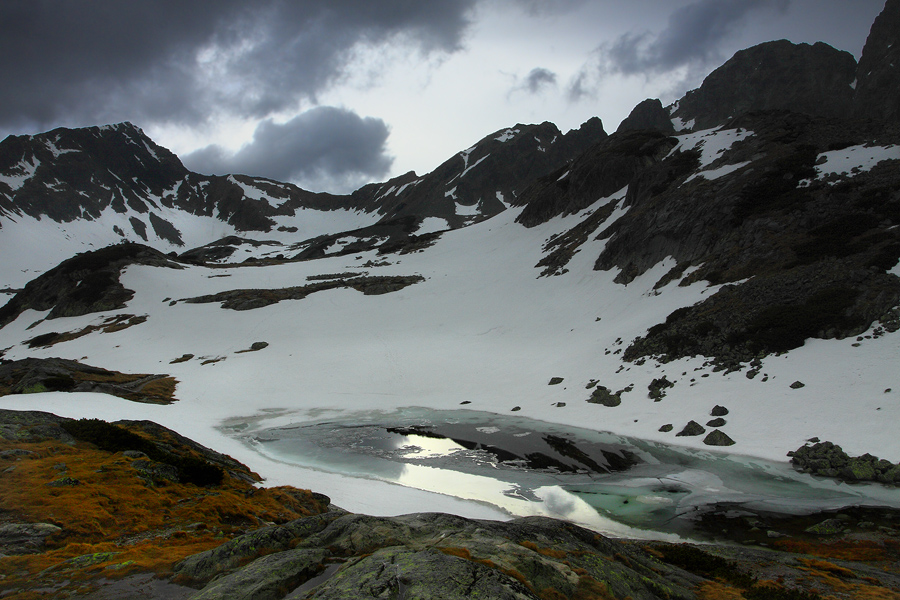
point(332, 94)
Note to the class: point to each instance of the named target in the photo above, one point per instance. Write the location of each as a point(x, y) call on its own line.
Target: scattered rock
point(797, 385)
point(666, 428)
point(603, 395)
point(25, 538)
point(718, 411)
point(515, 409)
point(657, 388)
point(717, 438)
point(555, 380)
point(691, 429)
point(268, 577)
point(155, 473)
point(64, 482)
point(827, 527)
point(718, 422)
point(254, 347)
point(181, 359)
point(829, 460)
point(15, 453)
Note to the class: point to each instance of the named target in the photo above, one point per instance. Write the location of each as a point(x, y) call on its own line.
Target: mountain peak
point(878, 77)
point(779, 75)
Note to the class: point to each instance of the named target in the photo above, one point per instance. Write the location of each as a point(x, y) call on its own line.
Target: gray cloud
point(77, 63)
point(693, 35)
point(693, 38)
point(324, 146)
point(538, 79)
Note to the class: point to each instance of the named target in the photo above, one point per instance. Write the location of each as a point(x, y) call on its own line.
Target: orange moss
point(111, 510)
point(835, 577)
point(850, 550)
point(589, 588)
point(714, 590)
point(549, 552)
point(457, 552)
point(552, 594)
point(828, 567)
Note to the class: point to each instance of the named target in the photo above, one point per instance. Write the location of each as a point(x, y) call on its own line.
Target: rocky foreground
point(98, 510)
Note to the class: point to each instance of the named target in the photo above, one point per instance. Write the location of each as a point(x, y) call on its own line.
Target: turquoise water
point(526, 467)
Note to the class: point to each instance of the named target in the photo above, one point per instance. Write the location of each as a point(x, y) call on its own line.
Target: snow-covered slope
point(481, 328)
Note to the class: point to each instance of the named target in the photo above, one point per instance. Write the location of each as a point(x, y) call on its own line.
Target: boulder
point(403, 573)
point(827, 527)
point(718, 411)
point(691, 429)
point(267, 578)
point(206, 565)
point(718, 438)
point(25, 538)
point(605, 396)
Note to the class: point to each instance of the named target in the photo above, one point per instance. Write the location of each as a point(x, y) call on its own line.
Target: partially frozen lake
point(613, 484)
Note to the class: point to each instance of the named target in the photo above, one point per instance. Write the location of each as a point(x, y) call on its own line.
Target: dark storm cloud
point(322, 144)
point(693, 38)
point(75, 62)
point(693, 35)
point(538, 79)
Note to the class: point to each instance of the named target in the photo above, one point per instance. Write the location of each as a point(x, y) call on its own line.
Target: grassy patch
point(113, 438)
point(114, 525)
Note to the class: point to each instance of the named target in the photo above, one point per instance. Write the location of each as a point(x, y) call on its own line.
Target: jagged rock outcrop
point(85, 283)
point(649, 114)
point(479, 181)
point(811, 79)
point(829, 460)
point(32, 375)
point(438, 555)
point(878, 76)
point(69, 174)
point(600, 172)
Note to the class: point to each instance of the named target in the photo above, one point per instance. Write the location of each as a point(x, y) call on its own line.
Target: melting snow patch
point(21, 173)
point(507, 135)
point(711, 143)
point(712, 174)
point(467, 211)
point(564, 175)
point(406, 185)
point(478, 162)
point(450, 193)
point(432, 224)
point(680, 125)
point(855, 159)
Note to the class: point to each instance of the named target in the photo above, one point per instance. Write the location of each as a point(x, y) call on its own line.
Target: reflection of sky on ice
point(668, 484)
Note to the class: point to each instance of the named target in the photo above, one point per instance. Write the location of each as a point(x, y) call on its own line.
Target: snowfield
point(481, 328)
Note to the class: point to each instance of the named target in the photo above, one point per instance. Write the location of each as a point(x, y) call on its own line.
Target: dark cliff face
point(115, 165)
point(69, 174)
point(649, 114)
point(480, 181)
point(806, 253)
point(601, 171)
point(878, 80)
point(815, 80)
